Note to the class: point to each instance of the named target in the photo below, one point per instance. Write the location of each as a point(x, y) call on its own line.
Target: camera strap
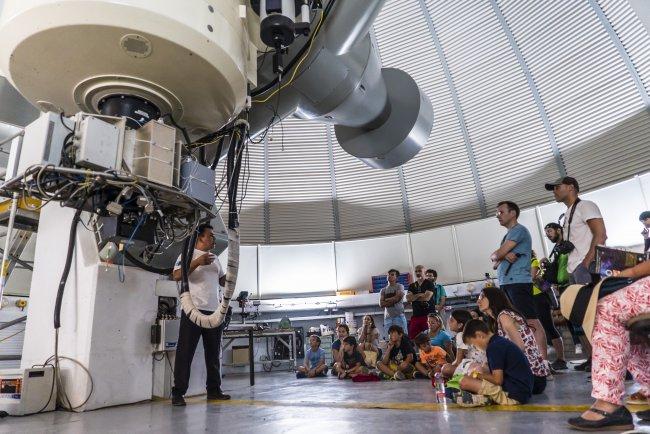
point(573, 210)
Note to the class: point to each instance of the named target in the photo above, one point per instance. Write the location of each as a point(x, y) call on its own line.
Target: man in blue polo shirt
point(512, 262)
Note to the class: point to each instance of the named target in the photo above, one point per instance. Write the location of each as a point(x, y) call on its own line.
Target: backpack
point(556, 269)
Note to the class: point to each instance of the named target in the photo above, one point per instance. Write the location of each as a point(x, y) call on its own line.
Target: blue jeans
point(398, 320)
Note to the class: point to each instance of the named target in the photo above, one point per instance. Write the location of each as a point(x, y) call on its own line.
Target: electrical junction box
point(198, 182)
point(97, 144)
point(43, 141)
point(24, 391)
point(164, 334)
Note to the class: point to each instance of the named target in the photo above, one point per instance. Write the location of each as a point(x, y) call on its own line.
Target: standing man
point(390, 299)
point(644, 218)
point(584, 228)
point(440, 296)
point(419, 294)
point(206, 276)
point(512, 262)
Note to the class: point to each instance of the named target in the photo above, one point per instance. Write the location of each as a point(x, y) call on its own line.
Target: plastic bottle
point(440, 388)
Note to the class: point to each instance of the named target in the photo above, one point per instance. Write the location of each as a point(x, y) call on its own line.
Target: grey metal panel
point(621, 51)
point(458, 108)
point(369, 199)
point(335, 201)
point(267, 193)
point(438, 180)
point(533, 88)
point(300, 182)
point(632, 33)
point(405, 200)
point(599, 118)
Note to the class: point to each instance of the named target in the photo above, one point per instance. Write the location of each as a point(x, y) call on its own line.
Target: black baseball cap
point(553, 226)
point(567, 180)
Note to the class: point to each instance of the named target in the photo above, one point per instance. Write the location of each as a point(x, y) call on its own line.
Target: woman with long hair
point(507, 322)
point(368, 337)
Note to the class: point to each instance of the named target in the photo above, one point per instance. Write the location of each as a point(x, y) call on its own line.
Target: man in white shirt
point(584, 227)
point(205, 277)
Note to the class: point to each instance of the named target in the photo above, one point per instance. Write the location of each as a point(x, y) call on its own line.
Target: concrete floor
point(279, 403)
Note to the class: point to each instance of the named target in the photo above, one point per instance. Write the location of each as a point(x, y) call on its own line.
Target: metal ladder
point(19, 241)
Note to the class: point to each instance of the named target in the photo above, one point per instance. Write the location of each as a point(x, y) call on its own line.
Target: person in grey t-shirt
point(391, 300)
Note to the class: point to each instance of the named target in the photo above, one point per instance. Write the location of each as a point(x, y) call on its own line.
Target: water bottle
point(440, 388)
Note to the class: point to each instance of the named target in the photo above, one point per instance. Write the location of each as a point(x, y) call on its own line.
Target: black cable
point(188, 246)
point(296, 58)
point(215, 162)
point(66, 268)
point(138, 263)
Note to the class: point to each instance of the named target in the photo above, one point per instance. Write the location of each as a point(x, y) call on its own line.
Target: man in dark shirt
point(419, 294)
point(398, 360)
point(509, 380)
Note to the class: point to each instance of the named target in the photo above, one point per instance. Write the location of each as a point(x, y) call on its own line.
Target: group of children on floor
point(493, 358)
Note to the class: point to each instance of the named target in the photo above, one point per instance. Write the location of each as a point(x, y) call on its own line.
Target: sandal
point(619, 420)
point(637, 398)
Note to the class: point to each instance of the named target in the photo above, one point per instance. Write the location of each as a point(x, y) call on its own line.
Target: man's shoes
point(584, 366)
point(559, 365)
point(178, 401)
point(218, 396)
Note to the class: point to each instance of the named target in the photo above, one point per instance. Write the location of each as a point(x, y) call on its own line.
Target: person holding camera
point(585, 229)
point(206, 277)
point(556, 274)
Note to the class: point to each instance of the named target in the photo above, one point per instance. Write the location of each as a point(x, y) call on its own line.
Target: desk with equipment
point(286, 337)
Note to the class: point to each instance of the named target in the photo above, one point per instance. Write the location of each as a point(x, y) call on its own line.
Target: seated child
point(353, 362)
point(431, 358)
point(315, 365)
point(342, 331)
point(509, 380)
point(397, 362)
point(368, 337)
point(437, 334)
point(467, 356)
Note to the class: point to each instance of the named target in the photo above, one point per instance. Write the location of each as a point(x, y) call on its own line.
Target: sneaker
point(583, 366)
point(178, 401)
point(384, 376)
point(559, 365)
point(219, 396)
point(419, 375)
point(399, 375)
point(578, 349)
point(467, 399)
point(300, 375)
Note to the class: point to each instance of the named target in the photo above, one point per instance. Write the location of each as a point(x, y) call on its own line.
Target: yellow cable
point(295, 70)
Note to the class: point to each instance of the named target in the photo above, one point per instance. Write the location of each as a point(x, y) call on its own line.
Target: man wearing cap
point(584, 228)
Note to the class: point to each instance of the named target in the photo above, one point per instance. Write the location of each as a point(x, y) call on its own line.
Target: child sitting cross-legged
point(397, 362)
point(509, 380)
point(315, 365)
point(353, 362)
point(431, 358)
point(467, 356)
